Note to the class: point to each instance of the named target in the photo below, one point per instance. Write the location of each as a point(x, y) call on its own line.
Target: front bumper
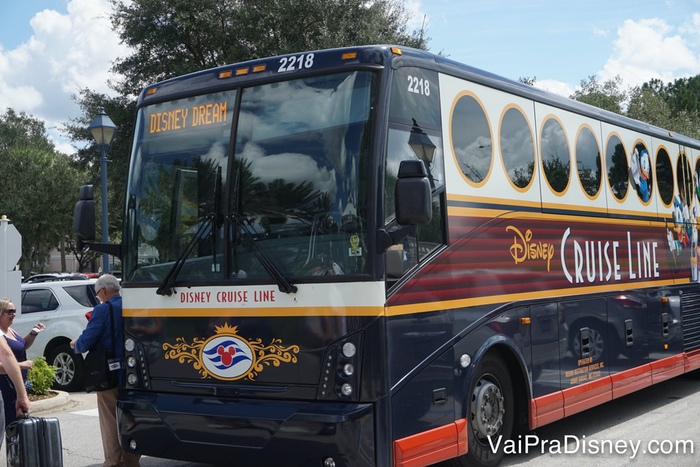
point(245, 432)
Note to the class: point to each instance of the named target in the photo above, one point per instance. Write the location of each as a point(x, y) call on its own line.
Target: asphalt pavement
point(656, 426)
point(80, 432)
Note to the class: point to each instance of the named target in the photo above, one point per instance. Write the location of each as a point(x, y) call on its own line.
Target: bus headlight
point(341, 370)
point(346, 390)
point(349, 350)
point(132, 379)
point(131, 361)
point(129, 345)
point(348, 369)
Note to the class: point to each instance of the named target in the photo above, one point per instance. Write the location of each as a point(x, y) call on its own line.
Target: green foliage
point(41, 376)
point(122, 111)
point(650, 106)
point(682, 95)
point(39, 187)
point(180, 36)
point(608, 95)
point(674, 106)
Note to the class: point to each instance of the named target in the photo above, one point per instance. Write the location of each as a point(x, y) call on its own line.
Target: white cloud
point(66, 52)
point(597, 32)
point(647, 49)
point(416, 15)
point(556, 87)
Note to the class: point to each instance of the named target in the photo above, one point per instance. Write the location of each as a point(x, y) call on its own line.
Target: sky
point(50, 49)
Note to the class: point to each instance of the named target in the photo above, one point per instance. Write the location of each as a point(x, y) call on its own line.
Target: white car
point(62, 306)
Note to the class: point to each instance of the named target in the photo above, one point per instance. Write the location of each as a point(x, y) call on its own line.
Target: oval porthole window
point(640, 172)
point(556, 159)
point(517, 148)
point(697, 179)
point(588, 162)
point(664, 176)
point(617, 167)
point(684, 178)
point(471, 139)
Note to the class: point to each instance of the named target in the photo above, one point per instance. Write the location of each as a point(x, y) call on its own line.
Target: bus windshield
point(287, 200)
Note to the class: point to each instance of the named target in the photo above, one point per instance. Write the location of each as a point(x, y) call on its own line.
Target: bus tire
point(493, 387)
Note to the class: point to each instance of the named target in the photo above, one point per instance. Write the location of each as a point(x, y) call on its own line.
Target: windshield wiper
point(166, 288)
point(250, 245)
point(205, 228)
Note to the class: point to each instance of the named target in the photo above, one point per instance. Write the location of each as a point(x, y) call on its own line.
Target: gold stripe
point(493, 213)
point(489, 200)
point(493, 299)
point(390, 311)
point(253, 312)
point(537, 205)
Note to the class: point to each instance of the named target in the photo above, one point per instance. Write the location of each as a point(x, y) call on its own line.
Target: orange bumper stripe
point(432, 446)
point(559, 404)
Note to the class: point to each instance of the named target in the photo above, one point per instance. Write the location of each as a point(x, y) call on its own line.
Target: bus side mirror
point(84, 216)
point(412, 202)
point(413, 198)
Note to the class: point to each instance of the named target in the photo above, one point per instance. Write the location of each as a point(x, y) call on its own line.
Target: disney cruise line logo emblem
point(228, 356)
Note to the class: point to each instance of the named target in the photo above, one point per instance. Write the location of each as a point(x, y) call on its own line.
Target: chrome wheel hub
point(487, 409)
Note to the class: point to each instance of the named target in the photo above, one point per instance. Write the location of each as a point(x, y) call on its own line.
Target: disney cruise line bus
point(376, 256)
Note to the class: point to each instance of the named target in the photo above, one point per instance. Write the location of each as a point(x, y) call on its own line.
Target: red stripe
point(449, 441)
point(587, 395)
point(432, 446)
point(560, 404)
point(692, 360)
point(667, 368)
point(628, 381)
point(546, 409)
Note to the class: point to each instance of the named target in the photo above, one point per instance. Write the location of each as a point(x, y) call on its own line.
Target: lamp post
point(102, 129)
point(423, 148)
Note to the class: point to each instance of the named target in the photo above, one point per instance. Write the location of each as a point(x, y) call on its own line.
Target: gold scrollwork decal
point(228, 356)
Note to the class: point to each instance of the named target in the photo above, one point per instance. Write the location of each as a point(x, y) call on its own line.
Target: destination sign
point(188, 117)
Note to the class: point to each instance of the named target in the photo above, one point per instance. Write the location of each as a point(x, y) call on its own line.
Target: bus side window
point(402, 257)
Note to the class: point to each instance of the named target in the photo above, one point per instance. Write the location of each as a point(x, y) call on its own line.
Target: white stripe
point(360, 294)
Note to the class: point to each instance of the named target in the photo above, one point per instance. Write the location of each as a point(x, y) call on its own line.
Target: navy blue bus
point(376, 256)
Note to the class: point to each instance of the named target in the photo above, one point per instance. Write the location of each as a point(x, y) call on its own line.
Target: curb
point(61, 399)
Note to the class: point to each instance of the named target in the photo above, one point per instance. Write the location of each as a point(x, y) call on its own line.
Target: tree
point(121, 111)
point(683, 94)
point(175, 37)
point(608, 95)
point(649, 105)
point(38, 187)
point(653, 103)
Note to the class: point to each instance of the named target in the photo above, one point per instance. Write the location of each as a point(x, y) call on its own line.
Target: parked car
point(62, 306)
point(55, 276)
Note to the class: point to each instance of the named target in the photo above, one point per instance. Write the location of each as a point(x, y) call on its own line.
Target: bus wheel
point(489, 414)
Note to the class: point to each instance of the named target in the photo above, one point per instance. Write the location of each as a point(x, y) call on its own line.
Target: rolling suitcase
point(34, 442)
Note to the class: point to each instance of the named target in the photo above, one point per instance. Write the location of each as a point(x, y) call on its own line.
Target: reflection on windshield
point(296, 183)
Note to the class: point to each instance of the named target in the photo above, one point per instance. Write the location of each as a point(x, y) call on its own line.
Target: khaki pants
point(115, 456)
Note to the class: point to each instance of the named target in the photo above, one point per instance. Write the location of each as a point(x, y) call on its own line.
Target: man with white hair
point(98, 333)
